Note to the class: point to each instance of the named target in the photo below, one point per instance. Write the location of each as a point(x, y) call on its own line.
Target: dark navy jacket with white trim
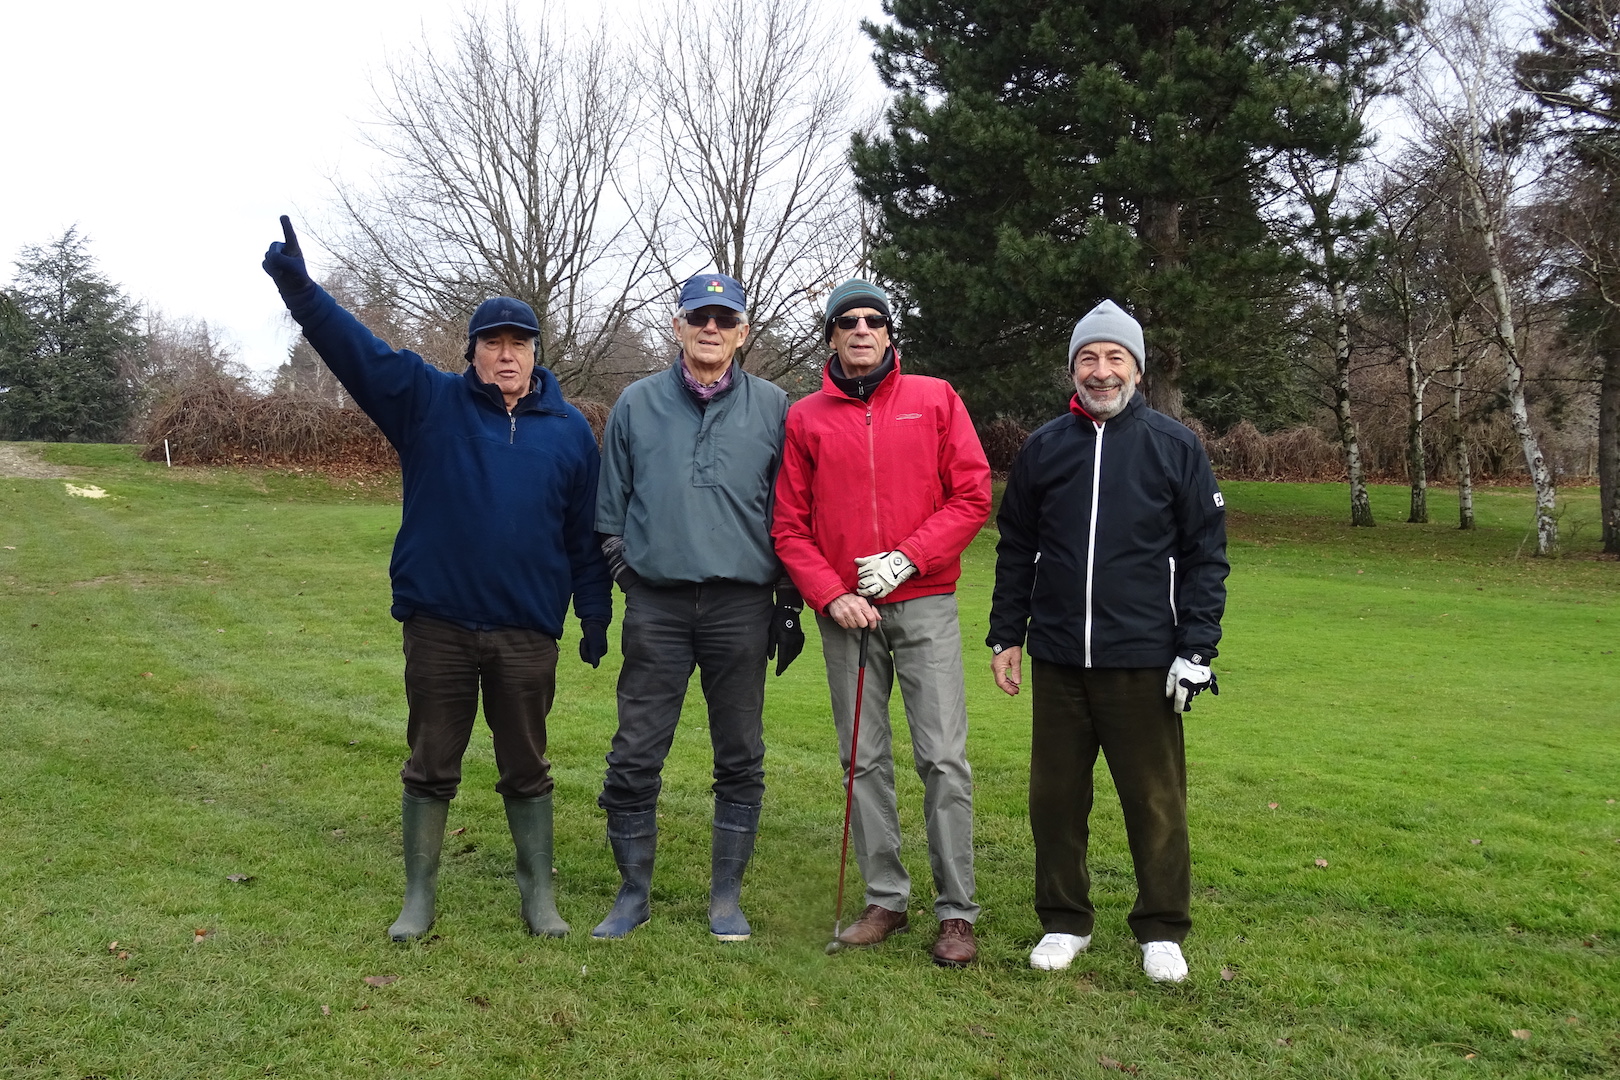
point(1113, 544)
point(499, 521)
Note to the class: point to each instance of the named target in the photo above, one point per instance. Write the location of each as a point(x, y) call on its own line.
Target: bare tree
point(506, 160)
point(1467, 106)
point(754, 102)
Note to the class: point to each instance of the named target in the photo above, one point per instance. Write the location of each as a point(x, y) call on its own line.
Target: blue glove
point(593, 643)
point(284, 262)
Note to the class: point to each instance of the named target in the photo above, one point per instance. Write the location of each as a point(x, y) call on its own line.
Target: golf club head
point(834, 946)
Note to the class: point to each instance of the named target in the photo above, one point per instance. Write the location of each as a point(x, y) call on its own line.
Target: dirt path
point(20, 459)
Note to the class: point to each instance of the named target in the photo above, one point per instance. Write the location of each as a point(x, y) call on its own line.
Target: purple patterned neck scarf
point(705, 394)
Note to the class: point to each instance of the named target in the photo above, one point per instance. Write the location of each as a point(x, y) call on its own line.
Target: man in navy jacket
point(1112, 562)
point(497, 531)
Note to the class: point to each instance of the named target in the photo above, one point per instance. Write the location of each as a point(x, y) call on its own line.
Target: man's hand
point(1007, 668)
point(284, 262)
point(881, 574)
point(613, 550)
point(1186, 680)
point(593, 643)
point(853, 612)
point(785, 639)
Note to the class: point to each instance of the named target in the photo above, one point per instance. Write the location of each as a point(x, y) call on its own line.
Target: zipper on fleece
point(871, 460)
point(512, 437)
point(1175, 619)
point(1091, 540)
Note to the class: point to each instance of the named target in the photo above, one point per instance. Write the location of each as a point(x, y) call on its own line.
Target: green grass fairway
point(199, 680)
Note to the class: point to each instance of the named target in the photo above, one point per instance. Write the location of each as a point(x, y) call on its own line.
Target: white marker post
point(167, 460)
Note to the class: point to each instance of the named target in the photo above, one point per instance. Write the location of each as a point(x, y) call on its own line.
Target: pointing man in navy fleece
point(497, 532)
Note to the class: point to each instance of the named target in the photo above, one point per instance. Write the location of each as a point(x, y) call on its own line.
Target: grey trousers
point(920, 641)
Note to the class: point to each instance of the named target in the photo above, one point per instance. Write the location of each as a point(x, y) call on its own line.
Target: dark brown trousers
point(445, 666)
point(1122, 712)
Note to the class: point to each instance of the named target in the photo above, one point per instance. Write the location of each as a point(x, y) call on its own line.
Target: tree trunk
point(1518, 412)
point(1160, 229)
point(1609, 450)
point(1459, 443)
point(1349, 437)
point(1417, 474)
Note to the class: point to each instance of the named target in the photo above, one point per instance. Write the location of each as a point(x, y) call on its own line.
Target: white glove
point(1186, 680)
point(881, 574)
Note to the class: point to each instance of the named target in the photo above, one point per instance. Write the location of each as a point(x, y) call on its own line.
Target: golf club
point(849, 790)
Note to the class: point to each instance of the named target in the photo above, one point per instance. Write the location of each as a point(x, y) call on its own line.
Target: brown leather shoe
point(875, 924)
point(955, 946)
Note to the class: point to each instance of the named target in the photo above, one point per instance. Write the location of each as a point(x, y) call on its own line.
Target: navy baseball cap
point(713, 290)
point(499, 312)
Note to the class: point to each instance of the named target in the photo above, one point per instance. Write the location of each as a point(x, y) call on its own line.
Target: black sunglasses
point(724, 322)
point(873, 322)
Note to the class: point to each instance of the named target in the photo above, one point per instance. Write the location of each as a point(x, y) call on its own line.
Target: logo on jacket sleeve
point(1220, 500)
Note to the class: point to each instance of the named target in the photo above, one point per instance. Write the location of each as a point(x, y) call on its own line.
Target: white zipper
point(1091, 541)
point(1175, 619)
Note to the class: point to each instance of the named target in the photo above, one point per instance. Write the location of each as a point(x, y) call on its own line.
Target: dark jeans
point(718, 628)
point(1122, 712)
point(445, 664)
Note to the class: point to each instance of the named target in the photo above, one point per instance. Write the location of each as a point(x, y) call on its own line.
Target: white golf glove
point(881, 574)
point(1186, 680)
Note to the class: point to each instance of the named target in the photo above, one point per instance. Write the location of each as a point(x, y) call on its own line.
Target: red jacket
point(904, 470)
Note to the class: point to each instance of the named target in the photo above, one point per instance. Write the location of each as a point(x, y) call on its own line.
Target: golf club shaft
point(849, 783)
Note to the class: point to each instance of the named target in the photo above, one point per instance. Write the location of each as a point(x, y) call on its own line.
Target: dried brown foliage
point(214, 420)
point(1001, 439)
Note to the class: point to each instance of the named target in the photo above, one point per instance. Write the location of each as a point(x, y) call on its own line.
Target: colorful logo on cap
point(715, 286)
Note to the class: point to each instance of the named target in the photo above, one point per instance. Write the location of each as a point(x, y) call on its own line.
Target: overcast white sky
point(173, 132)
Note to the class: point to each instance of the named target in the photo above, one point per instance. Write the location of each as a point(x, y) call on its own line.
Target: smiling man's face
point(504, 357)
point(1105, 378)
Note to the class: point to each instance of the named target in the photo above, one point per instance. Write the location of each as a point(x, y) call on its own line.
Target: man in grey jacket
point(689, 460)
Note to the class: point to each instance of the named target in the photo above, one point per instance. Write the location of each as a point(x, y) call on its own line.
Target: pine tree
point(62, 364)
point(1044, 154)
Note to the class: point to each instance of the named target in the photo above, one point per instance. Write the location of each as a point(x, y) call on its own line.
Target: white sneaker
point(1163, 962)
point(1057, 951)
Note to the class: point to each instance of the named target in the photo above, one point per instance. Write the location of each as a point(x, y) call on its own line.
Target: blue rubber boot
point(422, 821)
point(634, 837)
point(530, 821)
point(735, 826)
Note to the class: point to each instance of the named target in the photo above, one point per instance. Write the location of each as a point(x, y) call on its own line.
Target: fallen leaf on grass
point(1470, 1057)
point(1109, 1063)
point(380, 980)
point(362, 1007)
point(326, 1010)
point(458, 832)
point(1227, 974)
point(123, 954)
point(479, 1000)
point(1572, 1020)
point(1271, 806)
point(199, 934)
point(1476, 841)
point(1285, 1042)
point(1521, 1033)
point(10, 548)
point(112, 946)
point(239, 879)
point(146, 674)
point(1322, 863)
point(981, 1032)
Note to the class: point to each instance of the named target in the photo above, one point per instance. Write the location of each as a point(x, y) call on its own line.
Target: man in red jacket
point(883, 483)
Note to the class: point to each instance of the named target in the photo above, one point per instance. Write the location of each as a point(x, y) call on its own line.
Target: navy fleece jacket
point(499, 522)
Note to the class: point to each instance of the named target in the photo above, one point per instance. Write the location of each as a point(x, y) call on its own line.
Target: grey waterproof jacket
point(690, 487)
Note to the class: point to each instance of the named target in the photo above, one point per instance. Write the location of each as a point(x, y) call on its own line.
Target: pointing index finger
point(291, 247)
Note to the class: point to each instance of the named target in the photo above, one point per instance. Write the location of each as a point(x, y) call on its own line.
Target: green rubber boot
point(530, 820)
point(423, 821)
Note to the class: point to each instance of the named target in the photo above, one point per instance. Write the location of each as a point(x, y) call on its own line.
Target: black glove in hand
point(785, 639)
point(612, 545)
point(284, 262)
point(593, 644)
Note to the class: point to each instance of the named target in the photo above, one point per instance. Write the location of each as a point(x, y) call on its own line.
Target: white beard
point(1106, 410)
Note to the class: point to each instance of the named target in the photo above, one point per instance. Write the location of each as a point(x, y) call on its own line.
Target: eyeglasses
point(873, 322)
point(724, 322)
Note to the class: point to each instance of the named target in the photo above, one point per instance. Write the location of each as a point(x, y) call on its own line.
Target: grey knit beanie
point(1109, 322)
point(853, 293)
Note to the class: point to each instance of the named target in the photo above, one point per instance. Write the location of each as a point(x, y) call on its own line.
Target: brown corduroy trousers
point(1124, 713)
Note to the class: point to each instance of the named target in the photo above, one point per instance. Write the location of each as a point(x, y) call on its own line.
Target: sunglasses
point(873, 322)
point(724, 322)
